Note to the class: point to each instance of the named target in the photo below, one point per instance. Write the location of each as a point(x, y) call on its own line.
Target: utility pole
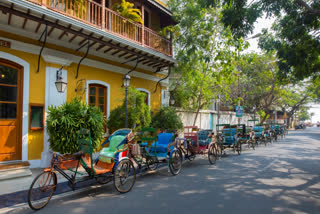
point(239, 95)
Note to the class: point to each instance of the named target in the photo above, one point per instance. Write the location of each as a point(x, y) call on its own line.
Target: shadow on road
point(280, 178)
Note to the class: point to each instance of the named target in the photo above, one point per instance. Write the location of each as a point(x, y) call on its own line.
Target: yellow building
point(88, 45)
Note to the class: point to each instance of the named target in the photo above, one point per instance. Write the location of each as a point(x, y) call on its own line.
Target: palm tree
point(127, 10)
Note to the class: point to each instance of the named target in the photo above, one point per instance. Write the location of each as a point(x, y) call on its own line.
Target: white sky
point(266, 23)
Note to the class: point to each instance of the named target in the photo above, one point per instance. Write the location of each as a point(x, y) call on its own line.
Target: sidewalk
point(15, 191)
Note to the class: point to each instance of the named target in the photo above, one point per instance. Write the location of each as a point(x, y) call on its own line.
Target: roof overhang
point(74, 32)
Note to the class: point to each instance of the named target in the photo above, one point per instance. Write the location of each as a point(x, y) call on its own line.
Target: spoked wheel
point(152, 163)
point(190, 156)
point(124, 176)
point(239, 148)
point(212, 153)
point(41, 190)
point(104, 179)
point(175, 162)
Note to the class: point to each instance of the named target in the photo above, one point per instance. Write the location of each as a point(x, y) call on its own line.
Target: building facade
point(87, 44)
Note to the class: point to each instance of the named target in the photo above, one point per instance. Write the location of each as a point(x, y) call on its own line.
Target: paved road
point(281, 178)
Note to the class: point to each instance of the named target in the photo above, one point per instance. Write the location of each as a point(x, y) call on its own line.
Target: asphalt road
point(280, 178)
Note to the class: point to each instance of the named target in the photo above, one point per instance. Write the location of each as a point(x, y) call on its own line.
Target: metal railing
point(95, 14)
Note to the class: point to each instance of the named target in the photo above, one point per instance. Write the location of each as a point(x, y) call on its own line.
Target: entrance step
point(14, 170)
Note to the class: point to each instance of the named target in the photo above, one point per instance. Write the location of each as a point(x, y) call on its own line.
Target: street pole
point(239, 95)
point(218, 113)
point(126, 100)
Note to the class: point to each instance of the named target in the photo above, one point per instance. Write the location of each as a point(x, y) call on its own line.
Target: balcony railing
point(95, 14)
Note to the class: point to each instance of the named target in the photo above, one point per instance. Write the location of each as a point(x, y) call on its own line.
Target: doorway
point(10, 110)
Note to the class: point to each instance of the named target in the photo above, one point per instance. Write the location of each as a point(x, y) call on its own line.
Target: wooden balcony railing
point(96, 14)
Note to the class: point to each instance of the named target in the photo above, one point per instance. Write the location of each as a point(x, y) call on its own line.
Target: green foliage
point(303, 114)
point(295, 37)
point(138, 112)
point(205, 51)
point(64, 121)
point(167, 118)
point(127, 10)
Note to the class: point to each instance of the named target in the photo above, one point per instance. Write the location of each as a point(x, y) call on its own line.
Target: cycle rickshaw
point(151, 149)
point(228, 138)
point(112, 164)
point(197, 142)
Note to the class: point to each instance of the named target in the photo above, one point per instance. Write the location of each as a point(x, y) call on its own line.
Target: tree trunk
point(264, 118)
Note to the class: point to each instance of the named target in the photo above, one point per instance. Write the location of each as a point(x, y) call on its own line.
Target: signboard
point(285, 115)
point(5, 44)
point(239, 111)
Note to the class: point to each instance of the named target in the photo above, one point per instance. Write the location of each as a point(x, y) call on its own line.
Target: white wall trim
point(54, 54)
point(148, 92)
point(25, 102)
point(35, 163)
point(56, 60)
point(88, 82)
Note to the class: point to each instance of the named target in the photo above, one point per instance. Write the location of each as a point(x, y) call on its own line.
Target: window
point(146, 101)
point(164, 98)
point(98, 97)
point(8, 92)
point(147, 93)
point(36, 116)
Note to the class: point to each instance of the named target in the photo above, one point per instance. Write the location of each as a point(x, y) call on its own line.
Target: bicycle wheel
point(212, 154)
point(239, 148)
point(152, 163)
point(175, 162)
point(41, 190)
point(124, 176)
point(190, 156)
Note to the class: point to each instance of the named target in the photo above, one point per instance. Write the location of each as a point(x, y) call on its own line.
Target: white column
point(52, 97)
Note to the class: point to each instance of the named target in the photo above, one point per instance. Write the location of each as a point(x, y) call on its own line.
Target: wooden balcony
point(108, 20)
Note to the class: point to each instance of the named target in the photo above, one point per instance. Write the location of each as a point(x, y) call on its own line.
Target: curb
point(7, 202)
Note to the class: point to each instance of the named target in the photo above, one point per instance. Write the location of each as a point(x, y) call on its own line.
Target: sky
point(267, 23)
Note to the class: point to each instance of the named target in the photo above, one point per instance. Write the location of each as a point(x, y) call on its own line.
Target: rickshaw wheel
point(103, 179)
point(190, 156)
point(152, 164)
point(175, 162)
point(212, 154)
point(124, 176)
point(239, 148)
point(41, 190)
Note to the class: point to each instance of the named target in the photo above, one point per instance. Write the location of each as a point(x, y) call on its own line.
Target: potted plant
point(126, 10)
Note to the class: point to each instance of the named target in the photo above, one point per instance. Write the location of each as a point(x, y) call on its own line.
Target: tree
point(295, 98)
point(259, 85)
point(303, 114)
point(138, 112)
point(311, 115)
point(295, 36)
point(205, 52)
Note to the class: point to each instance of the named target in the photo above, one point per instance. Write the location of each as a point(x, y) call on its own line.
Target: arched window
point(147, 93)
point(98, 97)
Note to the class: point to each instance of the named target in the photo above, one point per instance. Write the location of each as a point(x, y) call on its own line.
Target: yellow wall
point(36, 96)
point(37, 88)
point(115, 82)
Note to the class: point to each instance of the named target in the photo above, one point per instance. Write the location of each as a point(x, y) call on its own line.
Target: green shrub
point(138, 113)
point(64, 121)
point(167, 119)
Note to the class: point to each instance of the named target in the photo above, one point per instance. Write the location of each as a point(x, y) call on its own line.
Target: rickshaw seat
point(163, 140)
point(203, 138)
point(115, 144)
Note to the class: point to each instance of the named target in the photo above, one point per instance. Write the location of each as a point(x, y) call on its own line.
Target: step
point(13, 164)
point(13, 173)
